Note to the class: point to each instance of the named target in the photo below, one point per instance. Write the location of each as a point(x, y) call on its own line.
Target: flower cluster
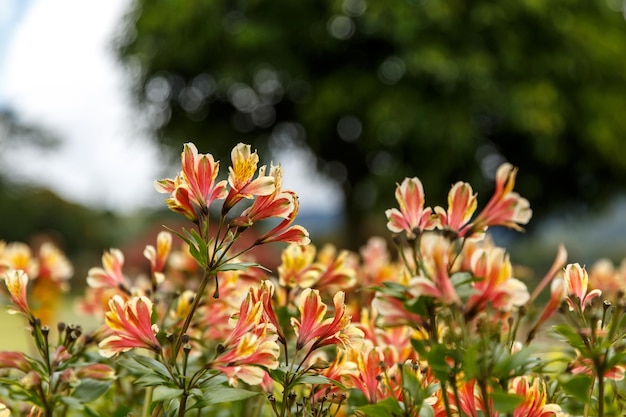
point(443, 329)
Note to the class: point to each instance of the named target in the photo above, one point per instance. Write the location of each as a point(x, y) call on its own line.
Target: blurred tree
point(30, 214)
point(379, 90)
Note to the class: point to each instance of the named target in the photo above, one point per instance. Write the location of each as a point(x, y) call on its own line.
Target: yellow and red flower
point(194, 188)
point(130, 323)
point(577, 282)
point(249, 357)
point(461, 207)
point(534, 398)
point(17, 283)
point(495, 286)
point(505, 208)
point(314, 331)
point(436, 283)
point(411, 218)
point(110, 275)
point(241, 174)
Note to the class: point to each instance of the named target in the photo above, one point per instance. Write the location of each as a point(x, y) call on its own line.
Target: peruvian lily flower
point(264, 295)
point(194, 189)
point(200, 172)
point(17, 282)
point(312, 329)
point(496, 286)
point(297, 268)
point(130, 322)
point(585, 366)
point(461, 206)
point(336, 269)
point(97, 371)
point(158, 256)
point(110, 275)
point(15, 360)
point(248, 359)
point(534, 398)
point(179, 200)
point(18, 255)
point(367, 379)
point(240, 177)
point(437, 284)
point(247, 320)
point(54, 265)
point(505, 208)
point(558, 292)
point(278, 203)
point(284, 231)
point(411, 218)
point(577, 281)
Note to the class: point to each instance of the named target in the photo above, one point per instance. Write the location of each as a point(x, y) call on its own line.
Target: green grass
point(13, 332)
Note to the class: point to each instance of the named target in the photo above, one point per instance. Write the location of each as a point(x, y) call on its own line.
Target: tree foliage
point(379, 90)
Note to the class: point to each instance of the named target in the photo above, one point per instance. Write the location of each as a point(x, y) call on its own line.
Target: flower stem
point(192, 311)
point(147, 400)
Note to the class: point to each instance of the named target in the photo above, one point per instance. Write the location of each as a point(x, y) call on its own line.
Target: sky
point(57, 71)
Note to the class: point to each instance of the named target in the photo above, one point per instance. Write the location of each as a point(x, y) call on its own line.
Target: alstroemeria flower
point(558, 292)
point(98, 371)
point(248, 359)
point(461, 206)
point(577, 281)
point(367, 379)
point(604, 276)
point(437, 283)
point(158, 256)
point(15, 360)
point(297, 268)
point(505, 208)
point(412, 218)
point(110, 275)
point(583, 365)
point(194, 189)
point(200, 172)
point(130, 322)
point(180, 199)
point(534, 398)
point(278, 203)
point(17, 282)
point(264, 295)
point(315, 331)
point(18, 255)
point(247, 320)
point(496, 286)
point(284, 231)
point(336, 269)
point(241, 174)
point(54, 265)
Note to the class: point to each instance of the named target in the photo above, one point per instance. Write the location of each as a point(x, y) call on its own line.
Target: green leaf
point(311, 379)
point(505, 402)
point(577, 386)
point(90, 389)
point(152, 379)
point(278, 375)
point(152, 364)
point(240, 266)
point(228, 394)
point(515, 364)
point(163, 393)
point(386, 408)
point(571, 335)
point(411, 384)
